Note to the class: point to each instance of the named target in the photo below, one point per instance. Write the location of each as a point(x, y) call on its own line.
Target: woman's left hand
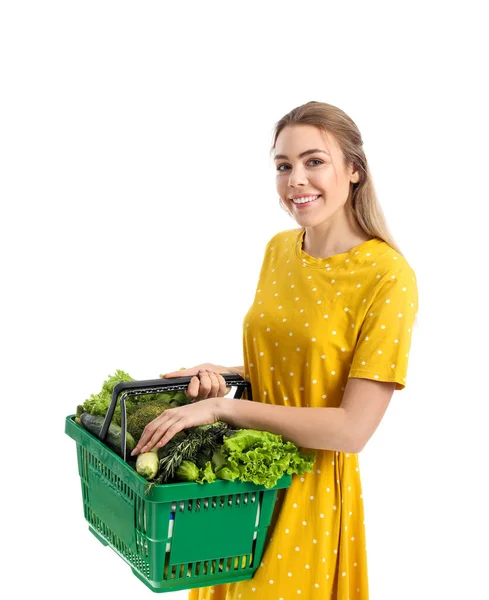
point(161, 430)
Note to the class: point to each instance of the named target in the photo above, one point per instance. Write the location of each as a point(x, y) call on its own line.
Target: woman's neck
point(330, 238)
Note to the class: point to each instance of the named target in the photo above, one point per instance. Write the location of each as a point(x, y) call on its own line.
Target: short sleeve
point(384, 342)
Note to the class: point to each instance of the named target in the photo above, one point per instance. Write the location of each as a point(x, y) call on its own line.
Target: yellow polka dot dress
point(314, 323)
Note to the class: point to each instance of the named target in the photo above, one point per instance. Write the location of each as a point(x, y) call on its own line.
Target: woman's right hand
point(206, 381)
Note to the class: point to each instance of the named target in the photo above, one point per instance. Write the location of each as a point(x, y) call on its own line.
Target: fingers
point(223, 389)
point(162, 429)
point(206, 384)
point(193, 388)
point(159, 432)
point(200, 386)
point(163, 434)
point(205, 381)
point(147, 435)
point(217, 385)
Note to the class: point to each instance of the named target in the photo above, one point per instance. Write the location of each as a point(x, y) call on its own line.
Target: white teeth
point(304, 200)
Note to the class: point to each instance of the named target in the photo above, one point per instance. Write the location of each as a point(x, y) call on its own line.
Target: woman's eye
point(315, 162)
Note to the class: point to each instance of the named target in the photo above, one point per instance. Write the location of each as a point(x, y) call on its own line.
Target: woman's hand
point(207, 386)
point(161, 430)
point(206, 381)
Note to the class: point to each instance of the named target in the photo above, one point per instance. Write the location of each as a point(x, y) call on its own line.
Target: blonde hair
point(362, 198)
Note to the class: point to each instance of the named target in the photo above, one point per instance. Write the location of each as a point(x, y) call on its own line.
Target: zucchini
point(147, 464)
point(93, 424)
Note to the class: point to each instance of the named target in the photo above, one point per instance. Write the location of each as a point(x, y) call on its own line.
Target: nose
point(297, 177)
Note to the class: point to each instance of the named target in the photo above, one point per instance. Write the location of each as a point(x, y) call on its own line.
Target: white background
point(137, 199)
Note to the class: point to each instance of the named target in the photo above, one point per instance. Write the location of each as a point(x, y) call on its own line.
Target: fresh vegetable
point(179, 399)
point(262, 457)
point(207, 474)
point(79, 412)
point(187, 471)
point(204, 455)
point(98, 404)
point(147, 464)
point(245, 439)
point(212, 437)
point(144, 414)
point(218, 460)
point(227, 473)
point(93, 424)
point(181, 447)
point(201, 454)
point(196, 444)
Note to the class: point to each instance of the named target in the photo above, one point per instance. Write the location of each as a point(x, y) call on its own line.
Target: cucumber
point(93, 424)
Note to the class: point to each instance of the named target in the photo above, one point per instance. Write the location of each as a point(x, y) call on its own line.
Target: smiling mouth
point(305, 200)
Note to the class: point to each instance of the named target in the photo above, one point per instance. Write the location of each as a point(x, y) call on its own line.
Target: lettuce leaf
point(262, 457)
point(207, 474)
point(227, 473)
point(98, 404)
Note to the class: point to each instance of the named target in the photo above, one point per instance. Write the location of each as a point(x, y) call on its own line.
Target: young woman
point(325, 343)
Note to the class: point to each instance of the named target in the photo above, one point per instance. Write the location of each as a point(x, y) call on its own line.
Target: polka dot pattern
point(314, 323)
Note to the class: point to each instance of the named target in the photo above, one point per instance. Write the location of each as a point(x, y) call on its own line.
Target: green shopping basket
point(176, 536)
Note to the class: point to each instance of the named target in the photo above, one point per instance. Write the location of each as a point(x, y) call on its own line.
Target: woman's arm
point(239, 370)
point(346, 429)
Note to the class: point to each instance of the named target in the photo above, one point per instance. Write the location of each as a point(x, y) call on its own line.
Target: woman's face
point(310, 166)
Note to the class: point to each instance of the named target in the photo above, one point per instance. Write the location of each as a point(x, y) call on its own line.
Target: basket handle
point(152, 386)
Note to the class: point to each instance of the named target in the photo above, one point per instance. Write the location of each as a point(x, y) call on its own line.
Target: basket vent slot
point(210, 567)
point(109, 476)
point(136, 560)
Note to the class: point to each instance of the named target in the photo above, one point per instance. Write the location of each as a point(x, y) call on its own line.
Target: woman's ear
point(354, 175)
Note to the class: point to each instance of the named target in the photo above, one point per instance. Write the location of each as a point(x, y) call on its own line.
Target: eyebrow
point(302, 154)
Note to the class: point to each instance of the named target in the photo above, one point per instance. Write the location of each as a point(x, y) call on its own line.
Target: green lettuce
point(207, 474)
point(218, 460)
point(227, 473)
point(98, 404)
point(262, 458)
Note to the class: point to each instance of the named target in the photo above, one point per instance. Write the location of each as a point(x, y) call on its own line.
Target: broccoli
point(98, 404)
point(144, 414)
